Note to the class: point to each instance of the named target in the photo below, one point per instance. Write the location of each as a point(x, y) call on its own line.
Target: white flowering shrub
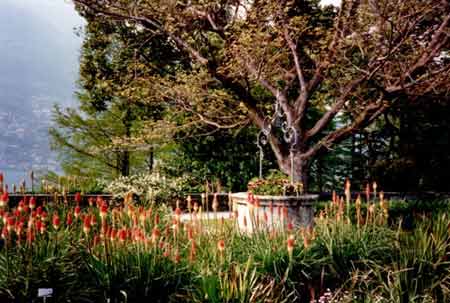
point(148, 187)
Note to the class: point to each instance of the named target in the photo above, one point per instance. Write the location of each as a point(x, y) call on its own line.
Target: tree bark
point(298, 167)
point(124, 163)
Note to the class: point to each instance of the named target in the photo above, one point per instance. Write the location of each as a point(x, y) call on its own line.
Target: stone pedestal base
point(274, 212)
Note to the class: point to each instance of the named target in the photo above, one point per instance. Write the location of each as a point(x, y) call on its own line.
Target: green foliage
point(227, 157)
point(183, 262)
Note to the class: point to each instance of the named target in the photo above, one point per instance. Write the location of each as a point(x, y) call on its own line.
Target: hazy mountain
point(38, 67)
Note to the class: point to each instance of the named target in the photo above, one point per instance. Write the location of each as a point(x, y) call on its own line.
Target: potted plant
point(274, 202)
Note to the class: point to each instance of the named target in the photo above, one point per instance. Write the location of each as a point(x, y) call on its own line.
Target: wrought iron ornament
point(290, 136)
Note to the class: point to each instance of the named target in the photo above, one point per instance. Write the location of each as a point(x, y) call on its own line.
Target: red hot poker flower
point(77, 198)
point(56, 221)
point(122, 235)
point(32, 203)
point(77, 211)
point(290, 244)
point(221, 246)
point(87, 225)
point(69, 219)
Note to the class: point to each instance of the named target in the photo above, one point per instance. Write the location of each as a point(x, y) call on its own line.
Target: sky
point(39, 55)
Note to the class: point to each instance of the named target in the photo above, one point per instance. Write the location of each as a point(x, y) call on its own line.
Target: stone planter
point(274, 212)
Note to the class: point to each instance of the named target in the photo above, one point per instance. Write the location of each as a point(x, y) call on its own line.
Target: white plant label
point(45, 292)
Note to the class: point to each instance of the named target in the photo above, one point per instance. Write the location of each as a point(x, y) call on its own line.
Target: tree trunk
point(298, 166)
point(150, 160)
point(124, 163)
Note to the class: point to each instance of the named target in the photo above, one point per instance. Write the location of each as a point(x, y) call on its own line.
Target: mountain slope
point(38, 67)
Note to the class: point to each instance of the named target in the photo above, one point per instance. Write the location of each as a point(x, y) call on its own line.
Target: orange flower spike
point(91, 201)
point(32, 203)
point(40, 226)
point(367, 192)
point(93, 220)
point(56, 221)
point(5, 233)
point(103, 211)
point(290, 245)
point(190, 233)
point(196, 207)
point(155, 234)
point(69, 219)
point(290, 226)
point(30, 236)
point(113, 234)
point(221, 246)
point(96, 240)
point(215, 203)
point(306, 239)
point(122, 235)
point(156, 219)
point(192, 252)
point(347, 191)
point(142, 217)
point(177, 214)
point(77, 211)
point(257, 202)
point(20, 206)
point(166, 253)
point(285, 213)
point(10, 223)
point(177, 257)
point(77, 198)
point(4, 198)
point(87, 224)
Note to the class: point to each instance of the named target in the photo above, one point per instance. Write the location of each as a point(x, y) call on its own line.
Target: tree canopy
point(253, 60)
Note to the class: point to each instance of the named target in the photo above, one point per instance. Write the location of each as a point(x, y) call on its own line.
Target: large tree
point(251, 56)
